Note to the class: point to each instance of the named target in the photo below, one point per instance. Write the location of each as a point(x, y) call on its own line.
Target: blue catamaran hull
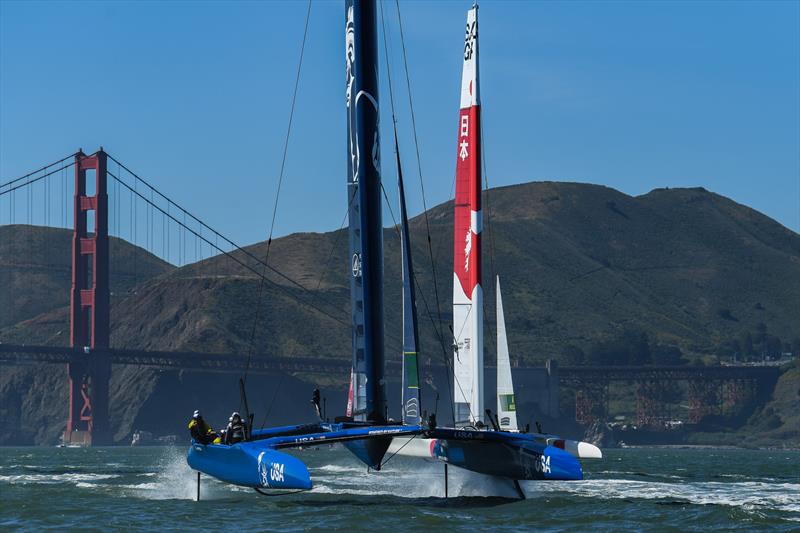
point(259, 463)
point(250, 464)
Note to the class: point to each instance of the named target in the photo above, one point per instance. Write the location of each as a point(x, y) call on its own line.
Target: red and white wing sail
point(467, 291)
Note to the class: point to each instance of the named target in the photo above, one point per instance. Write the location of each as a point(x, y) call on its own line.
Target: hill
point(36, 276)
point(579, 264)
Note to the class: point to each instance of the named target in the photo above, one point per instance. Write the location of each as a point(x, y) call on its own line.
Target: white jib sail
point(506, 402)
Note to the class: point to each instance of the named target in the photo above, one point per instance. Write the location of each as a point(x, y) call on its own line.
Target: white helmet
point(197, 414)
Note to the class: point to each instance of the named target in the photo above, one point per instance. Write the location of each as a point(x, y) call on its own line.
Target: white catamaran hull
point(423, 448)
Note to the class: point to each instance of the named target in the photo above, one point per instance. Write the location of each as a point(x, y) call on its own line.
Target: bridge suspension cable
point(29, 174)
point(187, 213)
point(229, 254)
point(32, 180)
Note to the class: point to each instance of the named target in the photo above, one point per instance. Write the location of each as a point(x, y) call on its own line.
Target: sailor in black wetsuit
point(315, 402)
point(236, 430)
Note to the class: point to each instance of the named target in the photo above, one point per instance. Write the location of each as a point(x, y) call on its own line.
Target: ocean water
point(153, 489)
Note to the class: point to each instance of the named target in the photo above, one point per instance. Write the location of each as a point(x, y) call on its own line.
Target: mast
point(366, 223)
point(411, 389)
point(506, 403)
point(467, 291)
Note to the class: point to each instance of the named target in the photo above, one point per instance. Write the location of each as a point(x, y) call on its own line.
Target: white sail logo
point(350, 76)
point(464, 144)
point(469, 40)
point(262, 470)
point(276, 472)
point(412, 408)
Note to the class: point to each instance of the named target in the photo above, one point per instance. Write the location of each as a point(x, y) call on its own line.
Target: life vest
point(201, 431)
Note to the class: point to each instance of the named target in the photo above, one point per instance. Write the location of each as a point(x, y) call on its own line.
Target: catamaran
point(260, 462)
point(502, 451)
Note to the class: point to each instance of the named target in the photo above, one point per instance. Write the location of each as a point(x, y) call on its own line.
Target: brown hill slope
point(578, 263)
point(35, 273)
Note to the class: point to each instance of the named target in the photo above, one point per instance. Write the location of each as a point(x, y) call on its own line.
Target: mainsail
point(467, 291)
point(506, 403)
point(364, 211)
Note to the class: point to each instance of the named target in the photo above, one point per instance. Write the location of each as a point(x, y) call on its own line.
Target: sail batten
point(467, 228)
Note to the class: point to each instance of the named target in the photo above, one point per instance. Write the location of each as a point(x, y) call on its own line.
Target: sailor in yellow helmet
point(201, 432)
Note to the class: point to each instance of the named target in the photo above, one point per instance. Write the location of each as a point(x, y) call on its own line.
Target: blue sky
point(195, 97)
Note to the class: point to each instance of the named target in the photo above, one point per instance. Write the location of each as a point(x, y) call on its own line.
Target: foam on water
point(750, 495)
point(54, 478)
point(174, 480)
point(413, 479)
point(337, 468)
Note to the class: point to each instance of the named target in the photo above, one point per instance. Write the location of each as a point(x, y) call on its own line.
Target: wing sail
point(467, 291)
point(364, 211)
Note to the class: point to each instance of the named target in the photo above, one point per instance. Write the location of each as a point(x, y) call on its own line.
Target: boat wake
point(409, 479)
point(747, 495)
point(174, 480)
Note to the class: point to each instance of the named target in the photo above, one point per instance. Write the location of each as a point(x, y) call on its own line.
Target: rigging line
point(34, 180)
point(489, 225)
point(396, 226)
point(430, 316)
point(334, 245)
point(489, 228)
point(419, 162)
point(435, 329)
point(216, 233)
point(438, 334)
point(257, 314)
point(29, 174)
point(421, 182)
point(231, 256)
point(398, 450)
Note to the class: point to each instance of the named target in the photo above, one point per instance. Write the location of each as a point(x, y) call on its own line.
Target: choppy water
point(636, 489)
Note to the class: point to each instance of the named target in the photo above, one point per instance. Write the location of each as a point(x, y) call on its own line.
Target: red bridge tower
point(89, 374)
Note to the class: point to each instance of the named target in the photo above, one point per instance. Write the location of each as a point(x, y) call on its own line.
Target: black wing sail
point(364, 196)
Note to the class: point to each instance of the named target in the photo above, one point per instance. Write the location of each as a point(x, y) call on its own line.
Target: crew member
point(200, 430)
point(236, 430)
point(315, 403)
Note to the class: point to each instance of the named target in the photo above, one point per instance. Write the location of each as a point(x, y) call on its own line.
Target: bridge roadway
point(571, 376)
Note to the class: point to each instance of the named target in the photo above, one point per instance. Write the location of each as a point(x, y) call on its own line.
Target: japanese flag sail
point(467, 291)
